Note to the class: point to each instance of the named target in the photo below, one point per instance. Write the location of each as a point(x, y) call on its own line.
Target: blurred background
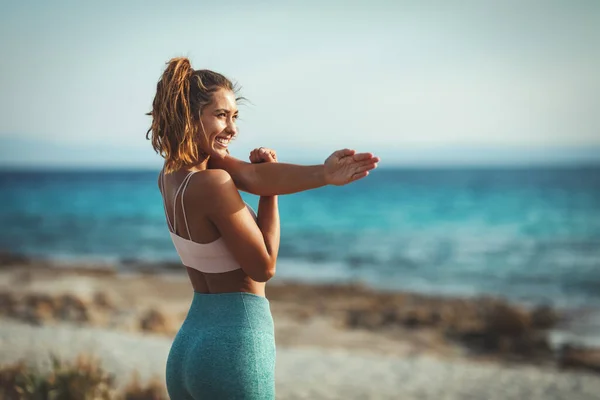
point(485, 115)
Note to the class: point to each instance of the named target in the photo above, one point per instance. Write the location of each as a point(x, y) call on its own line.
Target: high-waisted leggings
point(225, 349)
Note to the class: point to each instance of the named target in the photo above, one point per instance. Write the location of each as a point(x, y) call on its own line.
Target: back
point(189, 198)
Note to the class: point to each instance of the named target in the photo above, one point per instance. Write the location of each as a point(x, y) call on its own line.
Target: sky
point(415, 82)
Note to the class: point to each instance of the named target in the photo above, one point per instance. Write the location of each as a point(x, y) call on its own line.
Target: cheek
point(216, 127)
point(212, 127)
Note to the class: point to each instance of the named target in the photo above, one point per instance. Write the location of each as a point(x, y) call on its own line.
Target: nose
point(231, 126)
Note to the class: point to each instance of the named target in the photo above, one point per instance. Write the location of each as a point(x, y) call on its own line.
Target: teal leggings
point(225, 349)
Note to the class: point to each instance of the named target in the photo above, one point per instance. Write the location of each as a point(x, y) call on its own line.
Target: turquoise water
point(527, 234)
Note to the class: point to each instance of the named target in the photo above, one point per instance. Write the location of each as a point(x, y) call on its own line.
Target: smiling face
point(218, 123)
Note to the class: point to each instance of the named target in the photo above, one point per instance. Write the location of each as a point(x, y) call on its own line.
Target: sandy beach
point(333, 342)
point(312, 372)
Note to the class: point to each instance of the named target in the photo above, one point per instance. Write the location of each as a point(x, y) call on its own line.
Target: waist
point(237, 309)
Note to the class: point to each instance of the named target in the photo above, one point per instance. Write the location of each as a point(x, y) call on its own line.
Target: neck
point(201, 165)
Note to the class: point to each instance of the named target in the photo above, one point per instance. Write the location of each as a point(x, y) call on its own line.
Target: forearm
point(268, 222)
point(269, 179)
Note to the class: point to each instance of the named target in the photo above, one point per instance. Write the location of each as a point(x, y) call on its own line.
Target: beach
point(333, 341)
point(424, 176)
point(317, 373)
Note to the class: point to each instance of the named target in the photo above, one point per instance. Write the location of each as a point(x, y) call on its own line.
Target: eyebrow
point(225, 110)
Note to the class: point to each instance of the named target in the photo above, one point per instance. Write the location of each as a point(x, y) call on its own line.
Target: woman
point(225, 348)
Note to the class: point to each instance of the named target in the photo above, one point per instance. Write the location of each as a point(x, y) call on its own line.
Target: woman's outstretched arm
point(270, 179)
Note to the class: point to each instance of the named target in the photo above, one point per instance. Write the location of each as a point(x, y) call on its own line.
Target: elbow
point(270, 273)
point(265, 274)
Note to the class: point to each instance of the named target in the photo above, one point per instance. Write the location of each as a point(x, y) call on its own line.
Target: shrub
point(82, 379)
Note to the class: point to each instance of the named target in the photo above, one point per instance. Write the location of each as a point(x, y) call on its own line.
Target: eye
point(221, 115)
point(235, 117)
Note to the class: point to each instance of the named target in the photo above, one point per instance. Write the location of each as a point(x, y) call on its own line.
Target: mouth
point(223, 141)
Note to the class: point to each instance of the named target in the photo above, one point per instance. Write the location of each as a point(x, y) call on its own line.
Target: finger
point(365, 168)
point(358, 176)
point(362, 156)
point(344, 153)
point(370, 161)
point(254, 157)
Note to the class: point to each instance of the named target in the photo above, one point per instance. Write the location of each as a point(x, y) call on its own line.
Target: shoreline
point(126, 265)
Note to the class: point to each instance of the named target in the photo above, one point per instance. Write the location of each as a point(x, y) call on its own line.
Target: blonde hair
point(181, 94)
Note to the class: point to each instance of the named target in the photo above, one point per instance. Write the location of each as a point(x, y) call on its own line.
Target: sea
point(528, 234)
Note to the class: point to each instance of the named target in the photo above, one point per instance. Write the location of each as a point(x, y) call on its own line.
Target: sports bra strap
point(188, 178)
point(183, 183)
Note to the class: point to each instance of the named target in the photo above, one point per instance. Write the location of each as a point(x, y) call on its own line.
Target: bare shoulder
point(212, 180)
point(213, 188)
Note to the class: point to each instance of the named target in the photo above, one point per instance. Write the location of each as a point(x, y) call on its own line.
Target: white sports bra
point(213, 257)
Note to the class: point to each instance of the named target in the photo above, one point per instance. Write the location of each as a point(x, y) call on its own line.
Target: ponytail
point(173, 128)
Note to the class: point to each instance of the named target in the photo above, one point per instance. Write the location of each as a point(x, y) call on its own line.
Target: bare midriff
point(226, 282)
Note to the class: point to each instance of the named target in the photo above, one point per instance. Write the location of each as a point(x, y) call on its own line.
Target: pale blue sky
point(420, 82)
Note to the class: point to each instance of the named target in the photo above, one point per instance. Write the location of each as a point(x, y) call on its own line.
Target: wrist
point(268, 203)
point(321, 175)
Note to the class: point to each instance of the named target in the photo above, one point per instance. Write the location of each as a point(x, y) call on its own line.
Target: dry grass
point(82, 379)
point(101, 310)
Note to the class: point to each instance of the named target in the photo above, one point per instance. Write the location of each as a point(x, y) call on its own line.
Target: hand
point(345, 166)
point(262, 154)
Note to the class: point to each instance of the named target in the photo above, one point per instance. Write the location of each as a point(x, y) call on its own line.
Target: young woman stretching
point(225, 348)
